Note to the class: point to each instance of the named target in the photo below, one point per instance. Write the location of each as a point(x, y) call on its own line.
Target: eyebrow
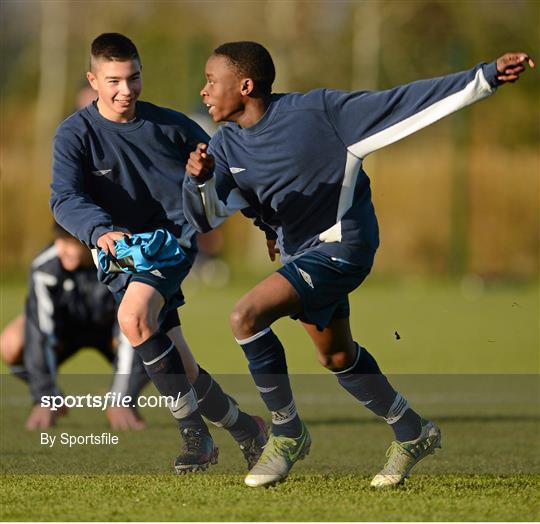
point(120, 78)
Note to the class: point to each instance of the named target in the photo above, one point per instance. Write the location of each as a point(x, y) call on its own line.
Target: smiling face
point(119, 85)
point(225, 91)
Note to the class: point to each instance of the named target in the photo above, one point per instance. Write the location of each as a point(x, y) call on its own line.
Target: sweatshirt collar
point(115, 126)
point(266, 119)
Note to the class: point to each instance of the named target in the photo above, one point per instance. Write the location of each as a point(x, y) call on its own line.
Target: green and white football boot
point(277, 459)
point(403, 456)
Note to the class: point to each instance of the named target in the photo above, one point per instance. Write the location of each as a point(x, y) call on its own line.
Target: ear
point(92, 80)
point(246, 86)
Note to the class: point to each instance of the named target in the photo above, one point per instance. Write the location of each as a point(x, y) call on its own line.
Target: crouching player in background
point(67, 309)
point(118, 168)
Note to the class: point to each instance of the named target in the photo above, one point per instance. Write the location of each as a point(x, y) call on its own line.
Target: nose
point(203, 91)
point(126, 88)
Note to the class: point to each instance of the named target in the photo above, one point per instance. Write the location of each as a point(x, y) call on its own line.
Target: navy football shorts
point(167, 282)
point(323, 284)
point(74, 339)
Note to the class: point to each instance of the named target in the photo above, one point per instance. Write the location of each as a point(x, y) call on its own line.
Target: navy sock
point(268, 367)
point(164, 367)
point(220, 409)
point(365, 382)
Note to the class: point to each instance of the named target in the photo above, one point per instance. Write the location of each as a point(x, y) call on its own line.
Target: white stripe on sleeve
point(475, 90)
point(215, 210)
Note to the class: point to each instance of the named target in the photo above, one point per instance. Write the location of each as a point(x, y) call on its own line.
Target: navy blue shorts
point(167, 282)
point(323, 284)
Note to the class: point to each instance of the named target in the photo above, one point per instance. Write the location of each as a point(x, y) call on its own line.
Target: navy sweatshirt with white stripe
point(299, 168)
point(123, 176)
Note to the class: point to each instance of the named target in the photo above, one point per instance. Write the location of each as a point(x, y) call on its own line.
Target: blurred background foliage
point(460, 198)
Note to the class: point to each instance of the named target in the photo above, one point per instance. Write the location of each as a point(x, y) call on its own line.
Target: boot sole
point(183, 469)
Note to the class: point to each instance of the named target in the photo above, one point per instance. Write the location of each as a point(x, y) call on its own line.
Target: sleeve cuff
point(200, 180)
point(491, 73)
point(98, 231)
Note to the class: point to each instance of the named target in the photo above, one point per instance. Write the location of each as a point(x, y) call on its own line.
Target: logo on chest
point(101, 172)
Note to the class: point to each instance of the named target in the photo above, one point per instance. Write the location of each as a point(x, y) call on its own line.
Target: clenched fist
point(200, 163)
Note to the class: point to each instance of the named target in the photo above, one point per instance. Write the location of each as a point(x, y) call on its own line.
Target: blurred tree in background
point(460, 197)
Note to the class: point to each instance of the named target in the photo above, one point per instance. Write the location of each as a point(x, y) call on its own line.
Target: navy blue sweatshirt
point(123, 176)
point(299, 168)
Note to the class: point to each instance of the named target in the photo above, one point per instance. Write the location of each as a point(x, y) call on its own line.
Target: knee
point(11, 347)
point(336, 361)
point(136, 327)
point(243, 321)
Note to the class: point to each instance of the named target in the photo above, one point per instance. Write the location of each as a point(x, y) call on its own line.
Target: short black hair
point(114, 47)
point(252, 60)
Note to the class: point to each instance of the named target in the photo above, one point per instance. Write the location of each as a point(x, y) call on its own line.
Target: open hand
point(43, 418)
point(511, 65)
point(121, 418)
point(200, 163)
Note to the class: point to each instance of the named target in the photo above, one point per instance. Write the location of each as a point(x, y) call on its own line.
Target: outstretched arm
point(367, 121)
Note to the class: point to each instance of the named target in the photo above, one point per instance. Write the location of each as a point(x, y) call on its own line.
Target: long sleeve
point(40, 337)
point(72, 207)
point(210, 201)
point(367, 121)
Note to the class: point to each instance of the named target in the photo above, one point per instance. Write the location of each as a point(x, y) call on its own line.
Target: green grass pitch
point(470, 362)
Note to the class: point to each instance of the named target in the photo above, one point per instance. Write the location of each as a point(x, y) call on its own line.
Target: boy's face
point(222, 92)
point(118, 85)
point(72, 253)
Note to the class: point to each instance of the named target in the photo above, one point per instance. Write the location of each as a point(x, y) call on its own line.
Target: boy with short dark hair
point(296, 160)
point(118, 170)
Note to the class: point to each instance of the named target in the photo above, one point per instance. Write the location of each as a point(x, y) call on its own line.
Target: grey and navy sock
point(365, 382)
point(268, 367)
point(164, 367)
point(220, 409)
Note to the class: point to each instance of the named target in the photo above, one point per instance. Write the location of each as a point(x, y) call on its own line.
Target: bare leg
point(12, 341)
point(138, 319)
point(269, 300)
point(335, 346)
point(188, 360)
point(250, 320)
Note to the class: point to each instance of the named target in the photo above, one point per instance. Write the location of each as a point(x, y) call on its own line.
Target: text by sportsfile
point(67, 439)
point(109, 400)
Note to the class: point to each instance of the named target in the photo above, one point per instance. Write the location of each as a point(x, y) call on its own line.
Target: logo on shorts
point(235, 170)
point(307, 278)
point(157, 273)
